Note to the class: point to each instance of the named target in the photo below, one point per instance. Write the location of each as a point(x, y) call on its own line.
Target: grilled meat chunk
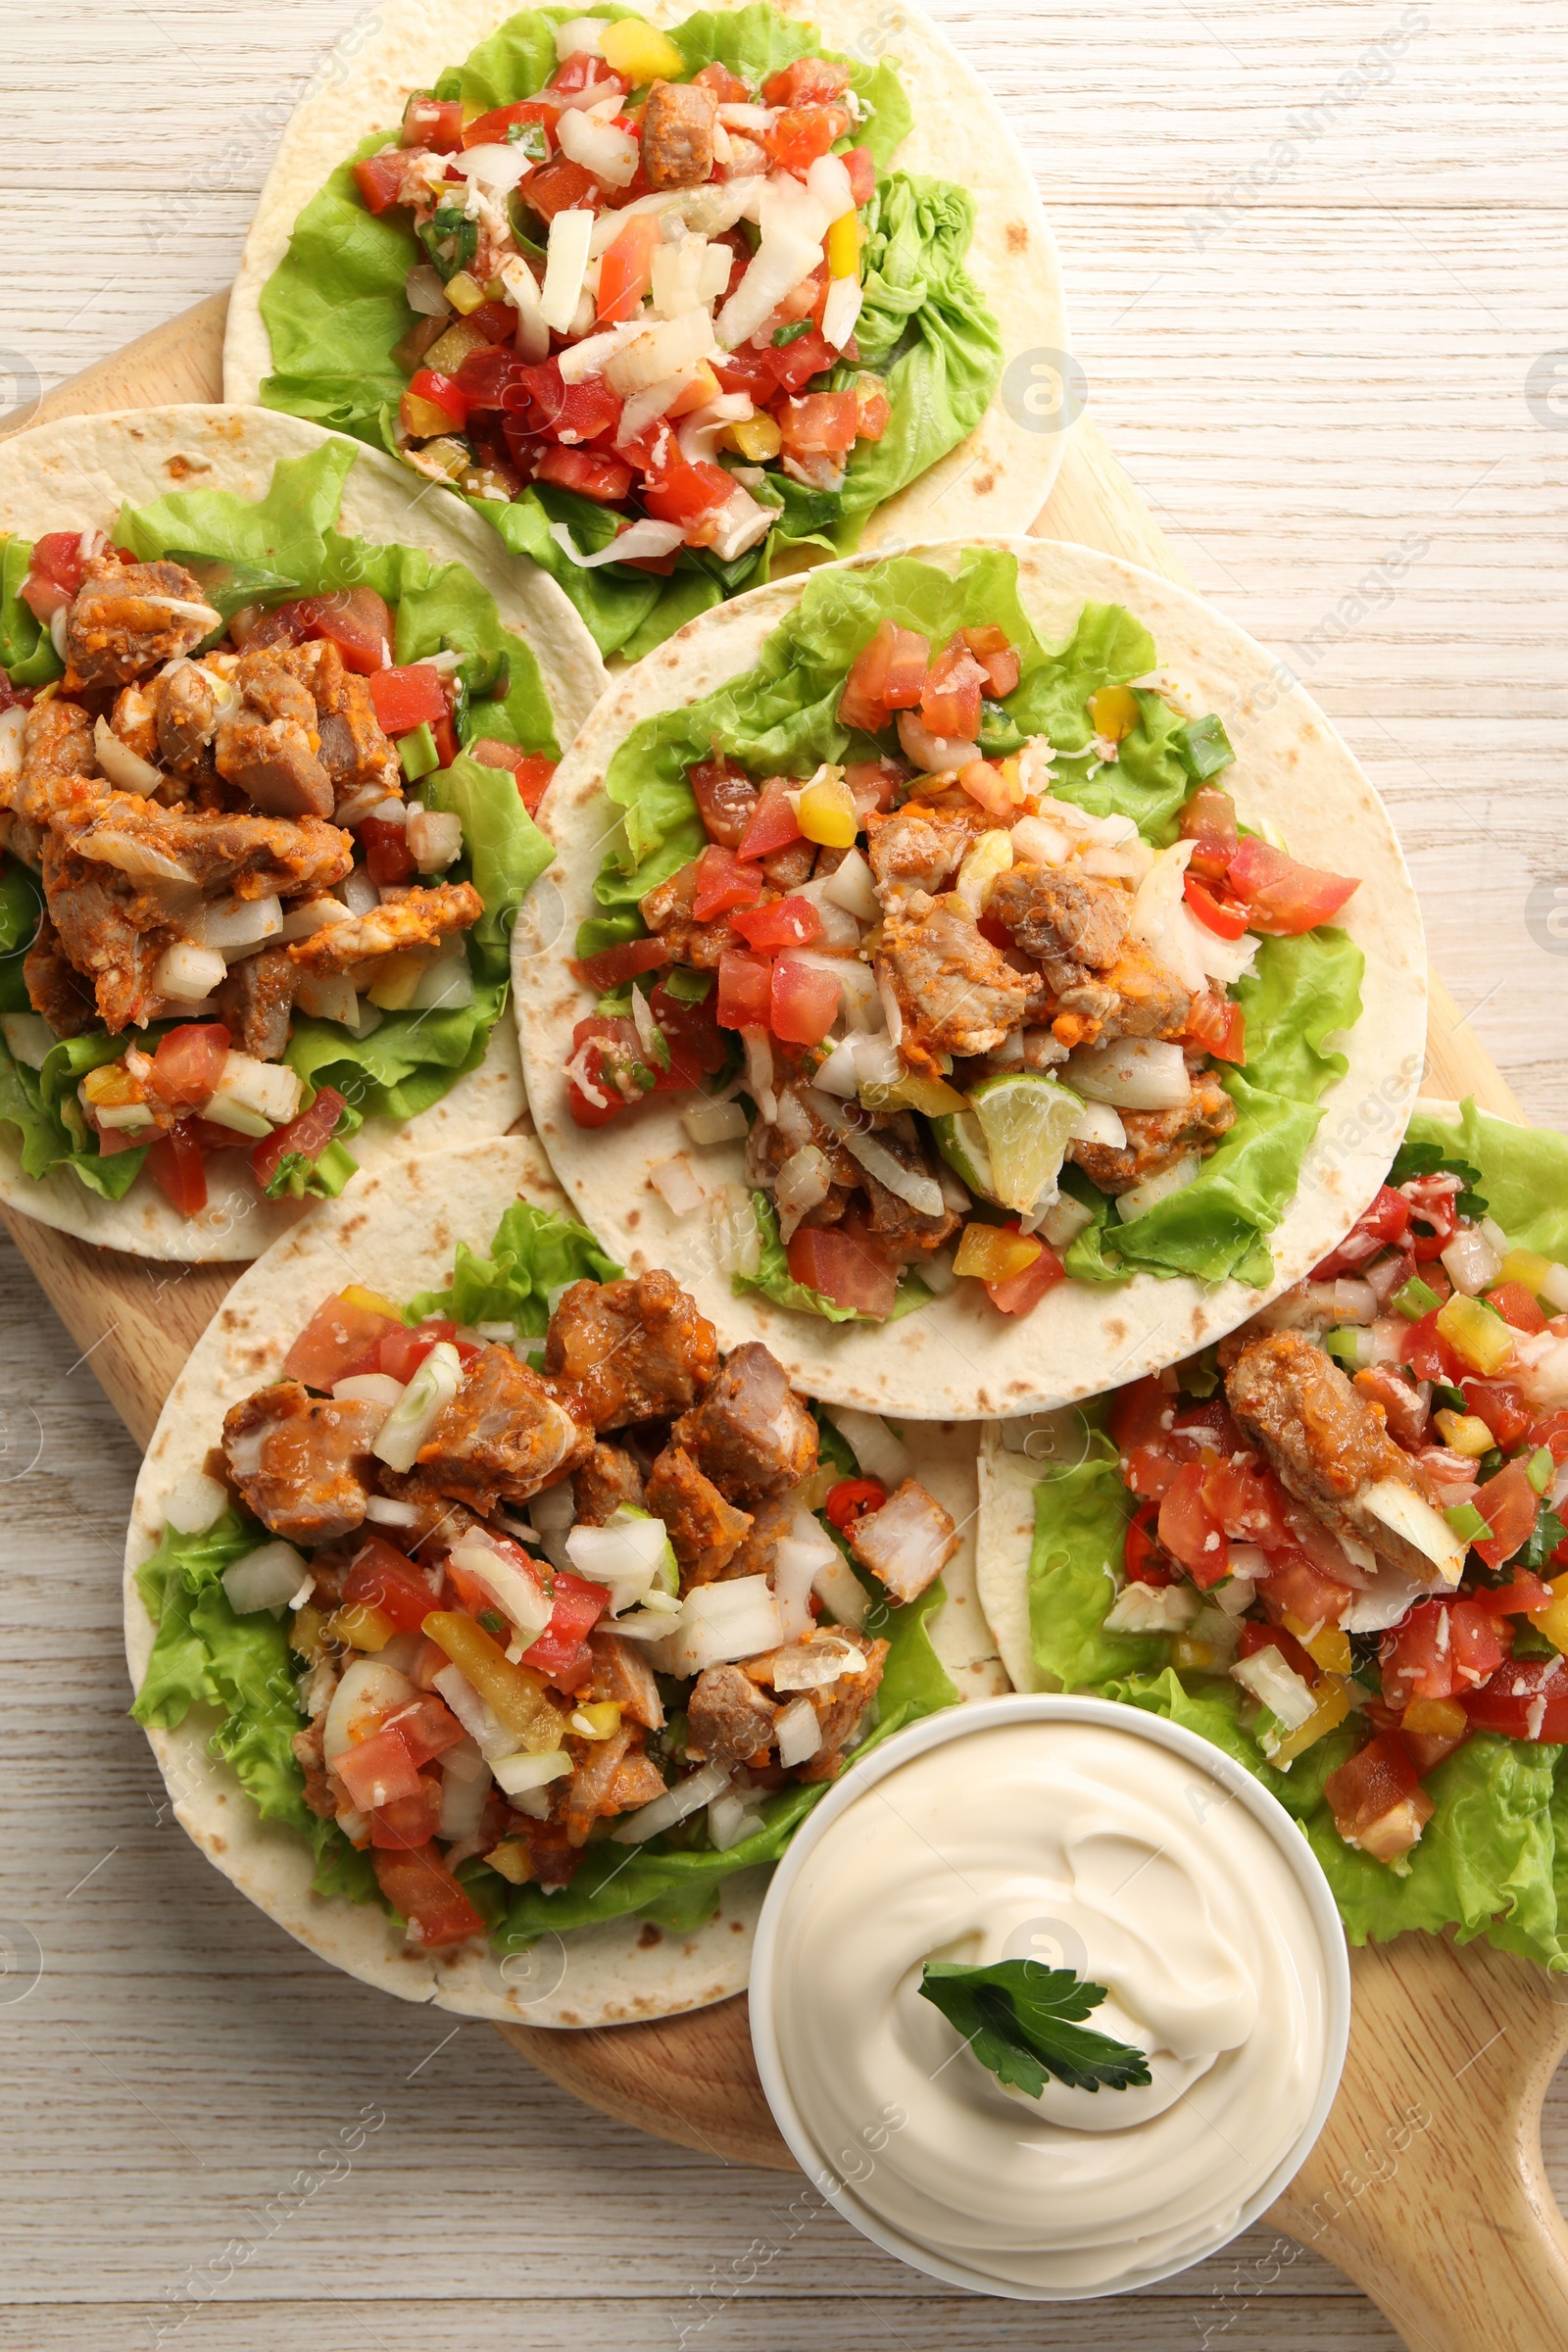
point(256, 1001)
point(53, 987)
point(504, 1436)
point(303, 1463)
point(185, 707)
point(788, 868)
point(622, 1673)
point(134, 720)
point(705, 1531)
point(729, 1718)
point(750, 1435)
point(271, 760)
point(608, 1480)
point(108, 930)
point(250, 855)
point(591, 1792)
point(1157, 1139)
point(1061, 919)
point(667, 910)
point(677, 135)
point(958, 994)
point(1135, 997)
point(635, 1349)
point(907, 1543)
point(127, 618)
point(1332, 1449)
point(772, 1519)
point(840, 1704)
point(917, 849)
point(417, 919)
point(57, 742)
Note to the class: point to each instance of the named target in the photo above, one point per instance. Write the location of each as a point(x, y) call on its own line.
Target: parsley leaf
point(1024, 2021)
point(1427, 1159)
point(1542, 1541)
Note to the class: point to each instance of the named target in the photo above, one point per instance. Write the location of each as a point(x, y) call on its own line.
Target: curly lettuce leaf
point(534, 1256)
point(774, 1280)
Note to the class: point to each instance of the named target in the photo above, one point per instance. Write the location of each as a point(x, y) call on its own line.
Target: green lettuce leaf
point(534, 1254)
point(27, 651)
point(773, 1279)
point(334, 308)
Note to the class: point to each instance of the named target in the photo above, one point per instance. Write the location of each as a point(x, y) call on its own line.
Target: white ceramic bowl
point(974, 1722)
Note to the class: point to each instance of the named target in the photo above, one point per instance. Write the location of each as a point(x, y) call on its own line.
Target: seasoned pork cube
point(622, 1673)
point(186, 718)
point(636, 1350)
point(417, 919)
point(53, 987)
point(57, 740)
point(750, 1435)
point(250, 855)
point(958, 994)
point(1333, 1451)
point(840, 1709)
point(608, 1480)
point(669, 910)
point(1157, 1139)
point(303, 1463)
point(1135, 997)
point(917, 849)
point(1061, 917)
point(271, 760)
point(256, 1001)
point(907, 1543)
point(502, 1437)
point(677, 135)
point(729, 1718)
point(127, 618)
point(705, 1531)
point(108, 930)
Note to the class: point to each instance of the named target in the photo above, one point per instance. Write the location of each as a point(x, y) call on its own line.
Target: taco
point(1332, 1544)
point(668, 298)
point(948, 1009)
point(516, 1723)
point(270, 731)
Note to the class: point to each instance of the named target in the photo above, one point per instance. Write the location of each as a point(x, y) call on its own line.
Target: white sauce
point(1075, 1844)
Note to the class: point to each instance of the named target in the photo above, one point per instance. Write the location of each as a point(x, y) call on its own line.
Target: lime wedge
point(1025, 1120)
point(958, 1137)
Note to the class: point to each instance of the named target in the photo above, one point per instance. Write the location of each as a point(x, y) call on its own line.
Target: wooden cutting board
point(1427, 2186)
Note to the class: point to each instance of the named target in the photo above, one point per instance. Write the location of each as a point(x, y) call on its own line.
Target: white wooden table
point(1312, 281)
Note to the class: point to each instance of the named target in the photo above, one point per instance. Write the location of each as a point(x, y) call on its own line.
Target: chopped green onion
point(417, 752)
point(686, 986)
point(792, 332)
point(1467, 1523)
point(494, 1622)
point(1344, 1345)
point(1455, 1398)
point(530, 137)
point(1415, 1299)
point(1541, 1469)
point(1204, 748)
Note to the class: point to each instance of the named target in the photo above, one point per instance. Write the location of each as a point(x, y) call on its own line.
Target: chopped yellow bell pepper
point(1465, 1433)
point(843, 246)
point(1553, 1620)
point(641, 53)
point(397, 980)
point(512, 1859)
point(1528, 1266)
point(448, 352)
point(1443, 1717)
point(111, 1082)
point(465, 293)
point(1114, 711)
point(362, 1625)
point(1332, 1705)
point(1476, 1332)
point(308, 1635)
point(703, 387)
point(1192, 1656)
point(599, 1720)
point(753, 437)
point(1327, 1646)
point(994, 1256)
point(370, 1303)
point(932, 1097)
point(826, 813)
point(514, 1694)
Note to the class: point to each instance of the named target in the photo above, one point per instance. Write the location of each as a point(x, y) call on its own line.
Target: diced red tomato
point(750, 371)
point(626, 270)
point(408, 1822)
point(613, 1050)
point(1218, 1023)
point(379, 1771)
point(357, 621)
point(420, 1887)
point(1377, 1800)
point(387, 856)
point(560, 186)
point(308, 1136)
point(726, 799)
point(874, 784)
point(532, 770)
point(175, 1164)
point(188, 1063)
point(1550, 1430)
point(852, 1498)
point(1142, 1558)
point(443, 392)
point(996, 655)
point(860, 165)
point(1442, 1647)
point(1255, 1636)
point(805, 82)
point(1209, 1423)
point(950, 699)
point(379, 180)
point(573, 414)
point(1508, 1504)
point(1517, 1306)
point(1018, 1293)
point(407, 697)
point(490, 129)
point(776, 824)
point(1143, 1413)
point(587, 472)
point(745, 990)
point(783, 924)
point(1380, 1226)
point(695, 1049)
point(381, 1577)
point(1189, 1530)
point(402, 1350)
point(611, 965)
point(1408, 1420)
point(1501, 1406)
point(53, 574)
point(336, 1341)
point(435, 123)
point(559, 1649)
point(426, 1725)
point(1296, 1587)
point(821, 421)
point(1434, 1216)
point(725, 882)
point(688, 495)
point(1525, 1592)
point(802, 1002)
point(1208, 823)
point(1527, 1699)
point(1225, 918)
point(1248, 1502)
point(727, 87)
point(844, 1267)
point(497, 320)
point(1429, 1356)
point(801, 133)
point(887, 674)
point(1283, 897)
point(582, 71)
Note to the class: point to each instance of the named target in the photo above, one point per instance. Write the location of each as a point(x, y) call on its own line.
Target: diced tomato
point(497, 320)
point(1018, 1293)
point(1283, 897)
point(1527, 1699)
point(750, 371)
point(1189, 1530)
point(175, 1164)
point(1501, 1406)
point(801, 134)
point(805, 82)
point(1248, 1502)
point(582, 71)
point(726, 799)
point(745, 990)
point(1295, 1587)
point(1517, 1306)
point(688, 495)
point(626, 270)
point(1218, 1023)
point(887, 674)
point(407, 697)
point(776, 824)
point(821, 421)
point(950, 699)
point(1440, 1649)
point(490, 131)
point(1142, 1413)
point(427, 1727)
point(402, 1350)
point(379, 180)
point(1408, 1420)
point(1434, 1216)
point(874, 412)
point(484, 376)
point(874, 784)
point(1223, 916)
point(587, 472)
point(610, 1050)
point(336, 1340)
point(727, 87)
point(1143, 1558)
point(435, 123)
point(560, 1648)
point(725, 882)
point(443, 392)
point(844, 1267)
point(695, 1049)
point(421, 1888)
point(53, 574)
point(572, 413)
point(611, 965)
point(408, 1822)
point(387, 856)
point(783, 924)
point(13, 698)
point(532, 770)
point(1208, 823)
point(1508, 1504)
point(1255, 1636)
point(852, 1498)
point(1377, 1787)
point(381, 1577)
point(379, 1771)
point(1525, 1592)
point(996, 654)
point(1550, 1430)
point(802, 1002)
point(357, 621)
point(308, 1136)
point(860, 165)
point(1381, 1226)
point(188, 1063)
point(560, 186)
point(1209, 1423)
point(1429, 1356)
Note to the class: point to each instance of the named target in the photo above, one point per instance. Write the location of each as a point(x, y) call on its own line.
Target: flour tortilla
point(1000, 475)
point(396, 1233)
point(1013, 1460)
point(957, 1356)
point(80, 471)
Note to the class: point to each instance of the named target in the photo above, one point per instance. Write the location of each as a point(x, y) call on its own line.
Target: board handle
point(1427, 2186)
point(692, 2080)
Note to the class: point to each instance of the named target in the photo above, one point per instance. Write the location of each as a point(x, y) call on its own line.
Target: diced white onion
point(1158, 1188)
point(265, 1579)
point(796, 1557)
point(310, 916)
point(667, 349)
point(626, 1554)
point(330, 997)
point(188, 974)
point(921, 1193)
point(1280, 1688)
point(877, 1059)
point(758, 1047)
point(498, 170)
point(125, 769)
point(878, 1451)
point(798, 1733)
point(1136, 1073)
point(610, 155)
point(432, 1389)
point(466, 1784)
point(802, 1183)
point(424, 291)
point(446, 985)
point(516, 1592)
point(485, 1729)
point(1554, 1289)
point(579, 36)
point(434, 838)
point(1151, 1609)
point(532, 337)
point(1354, 1301)
point(737, 1243)
point(1408, 1514)
point(1065, 1220)
point(672, 1180)
point(714, 1123)
point(1098, 1123)
point(678, 275)
point(645, 538)
point(372, 1387)
point(732, 1818)
point(233, 927)
point(367, 1692)
point(838, 1075)
point(740, 523)
point(567, 261)
point(1472, 1264)
point(195, 1504)
point(253, 1097)
point(937, 755)
point(737, 1618)
point(518, 1773)
point(839, 1588)
point(849, 886)
point(812, 1666)
point(12, 742)
point(386, 1511)
point(840, 310)
point(688, 1797)
point(790, 249)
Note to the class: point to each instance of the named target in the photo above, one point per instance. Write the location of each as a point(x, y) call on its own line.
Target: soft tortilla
point(1004, 471)
point(80, 471)
point(1011, 1464)
point(958, 1357)
point(396, 1233)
